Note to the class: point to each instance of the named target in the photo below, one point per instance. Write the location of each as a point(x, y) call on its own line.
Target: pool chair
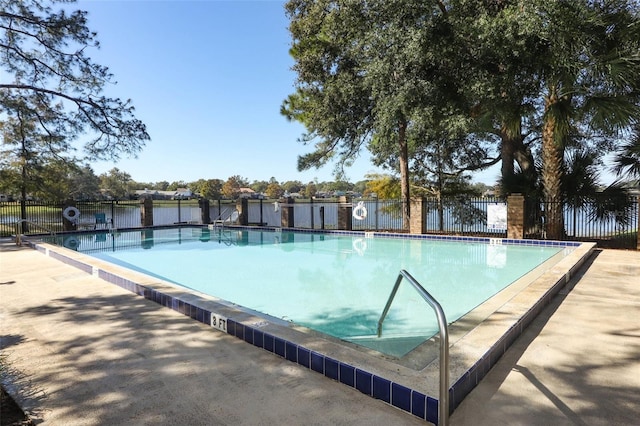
point(101, 220)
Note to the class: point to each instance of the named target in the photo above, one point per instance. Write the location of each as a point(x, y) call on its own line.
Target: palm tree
point(627, 161)
point(591, 80)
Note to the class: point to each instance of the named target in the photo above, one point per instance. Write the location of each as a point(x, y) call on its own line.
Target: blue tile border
point(347, 374)
point(419, 404)
point(331, 368)
point(382, 389)
point(317, 362)
point(401, 397)
point(434, 237)
point(364, 382)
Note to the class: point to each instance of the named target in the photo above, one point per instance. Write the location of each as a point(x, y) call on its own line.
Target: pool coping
point(412, 390)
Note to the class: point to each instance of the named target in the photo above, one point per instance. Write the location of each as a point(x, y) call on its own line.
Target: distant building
point(178, 194)
point(250, 193)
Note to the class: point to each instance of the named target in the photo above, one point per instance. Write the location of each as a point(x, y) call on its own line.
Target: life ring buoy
point(359, 246)
point(71, 243)
point(360, 212)
point(71, 214)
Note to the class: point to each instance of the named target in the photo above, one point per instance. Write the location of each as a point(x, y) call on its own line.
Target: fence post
point(287, 213)
point(205, 213)
point(146, 211)
point(638, 226)
point(242, 205)
point(515, 216)
point(418, 218)
point(261, 217)
point(311, 205)
point(345, 211)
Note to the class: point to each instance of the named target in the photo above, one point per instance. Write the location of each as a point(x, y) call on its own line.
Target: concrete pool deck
point(82, 351)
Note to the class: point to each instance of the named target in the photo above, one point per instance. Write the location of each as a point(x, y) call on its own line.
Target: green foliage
point(259, 186)
point(173, 186)
point(292, 186)
point(50, 94)
point(210, 189)
point(364, 71)
point(117, 184)
point(231, 188)
point(627, 160)
point(44, 55)
point(310, 190)
point(274, 190)
point(386, 187)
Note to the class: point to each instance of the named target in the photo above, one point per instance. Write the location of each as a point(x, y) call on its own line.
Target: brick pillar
point(242, 205)
point(418, 218)
point(345, 211)
point(286, 208)
point(146, 211)
point(205, 211)
point(515, 216)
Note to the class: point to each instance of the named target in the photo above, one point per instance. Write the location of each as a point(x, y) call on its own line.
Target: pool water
point(335, 284)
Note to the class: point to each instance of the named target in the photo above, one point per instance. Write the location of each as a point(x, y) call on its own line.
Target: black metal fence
point(35, 217)
point(613, 226)
point(463, 216)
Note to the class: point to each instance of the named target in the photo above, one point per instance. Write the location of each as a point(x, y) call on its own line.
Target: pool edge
point(246, 327)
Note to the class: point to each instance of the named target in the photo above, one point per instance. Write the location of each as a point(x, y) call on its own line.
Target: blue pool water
point(335, 284)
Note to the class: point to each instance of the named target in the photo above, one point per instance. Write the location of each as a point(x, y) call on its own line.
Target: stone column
point(242, 205)
point(146, 211)
point(205, 211)
point(286, 207)
point(418, 218)
point(345, 212)
point(515, 216)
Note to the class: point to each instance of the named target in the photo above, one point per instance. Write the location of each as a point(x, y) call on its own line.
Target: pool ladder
point(19, 233)
point(220, 220)
point(443, 403)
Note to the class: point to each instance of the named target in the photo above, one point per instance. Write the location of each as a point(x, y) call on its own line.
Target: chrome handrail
point(443, 405)
point(19, 234)
point(219, 220)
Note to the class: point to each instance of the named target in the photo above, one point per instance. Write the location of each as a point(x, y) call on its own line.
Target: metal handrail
point(219, 220)
point(19, 234)
point(443, 406)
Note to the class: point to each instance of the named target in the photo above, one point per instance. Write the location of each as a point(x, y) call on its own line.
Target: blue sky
point(207, 78)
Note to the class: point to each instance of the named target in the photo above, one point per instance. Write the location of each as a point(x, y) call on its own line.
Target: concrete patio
point(82, 351)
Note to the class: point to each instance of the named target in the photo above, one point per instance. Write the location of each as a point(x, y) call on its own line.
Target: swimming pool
point(334, 284)
point(410, 381)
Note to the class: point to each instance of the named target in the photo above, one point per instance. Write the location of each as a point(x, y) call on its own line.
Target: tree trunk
point(507, 150)
point(525, 161)
point(404, 172)
point(23, 189)
point(552, 157)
